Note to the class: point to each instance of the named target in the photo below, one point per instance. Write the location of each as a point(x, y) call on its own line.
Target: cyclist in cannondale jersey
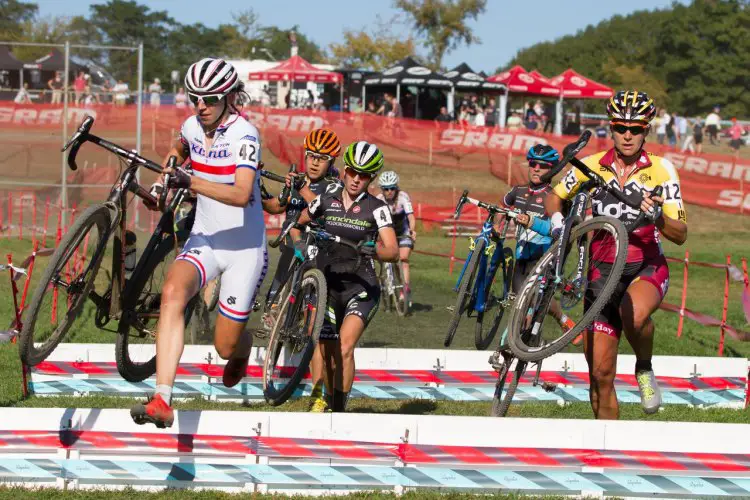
point(532, 230)
point(643, 285)
point(353, 293)
point(404, 221)
point(228, 236)
point(322, 147)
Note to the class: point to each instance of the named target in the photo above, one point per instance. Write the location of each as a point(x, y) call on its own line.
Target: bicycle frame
point(494, 246)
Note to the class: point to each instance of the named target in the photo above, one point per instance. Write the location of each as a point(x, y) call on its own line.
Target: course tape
point(145, 472)
point(326, 449)
point(101, 370)
point(245, 390)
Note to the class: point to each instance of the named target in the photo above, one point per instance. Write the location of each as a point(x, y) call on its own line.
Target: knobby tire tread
point(96, 215)
point(466, 286)
point(517, 345)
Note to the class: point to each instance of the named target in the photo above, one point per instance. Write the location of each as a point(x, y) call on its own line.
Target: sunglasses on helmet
point(389, 188)
point(622, 128)
point(208, 100)
point(317, 157)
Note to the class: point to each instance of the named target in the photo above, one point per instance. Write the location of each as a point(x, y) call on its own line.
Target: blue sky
point(506, 26)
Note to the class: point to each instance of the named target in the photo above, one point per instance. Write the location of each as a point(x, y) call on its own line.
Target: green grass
point(712, 235)
point(180, 494)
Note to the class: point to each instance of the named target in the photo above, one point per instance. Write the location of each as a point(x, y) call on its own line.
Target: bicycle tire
point(96, 215)
point(214, 299)
point(402, 304)
point(386, 302)
point(501, 402)
point(277, 396)
point(467, 283)
point(536, 353)
point(482, 341)
point(130, 369)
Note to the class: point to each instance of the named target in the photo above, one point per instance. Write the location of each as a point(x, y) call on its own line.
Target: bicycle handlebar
point(494, 209)
point(83, 135)
point(569, 153)
point(286, 228)
point(287, 190)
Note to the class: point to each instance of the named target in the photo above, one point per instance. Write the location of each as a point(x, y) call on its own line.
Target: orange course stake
point(726, 305)
point(684, 293)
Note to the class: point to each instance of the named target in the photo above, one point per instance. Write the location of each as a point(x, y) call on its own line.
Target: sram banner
point(41, 115)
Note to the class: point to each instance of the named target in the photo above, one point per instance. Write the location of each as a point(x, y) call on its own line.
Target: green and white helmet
point(363, 157)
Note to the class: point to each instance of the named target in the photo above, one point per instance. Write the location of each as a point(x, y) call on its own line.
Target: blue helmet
point(544, 154)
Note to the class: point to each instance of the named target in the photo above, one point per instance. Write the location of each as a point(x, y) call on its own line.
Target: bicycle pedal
point(260, 333)
point(549, 387)
point(256, 306)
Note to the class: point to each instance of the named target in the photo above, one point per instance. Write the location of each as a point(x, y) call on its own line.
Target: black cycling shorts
point(347, 297)
point(608, 321)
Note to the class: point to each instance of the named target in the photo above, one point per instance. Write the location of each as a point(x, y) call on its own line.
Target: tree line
point(690, 58)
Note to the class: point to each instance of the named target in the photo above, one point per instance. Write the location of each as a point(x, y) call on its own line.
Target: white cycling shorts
point(241, 270)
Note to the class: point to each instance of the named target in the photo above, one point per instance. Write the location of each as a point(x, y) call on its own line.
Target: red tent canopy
point(578, 86)
point(541, 77)
point(519, 81)
point(296, 69)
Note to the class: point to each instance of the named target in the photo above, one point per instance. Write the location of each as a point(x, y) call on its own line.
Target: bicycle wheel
point(65, 285)
point(483, 336)
point(534, 335)
point(385, 287)
point(135, 347)
point(291, 347)
point(212, 299)
point(501, 401)
point(400, 295)
point(465, 292)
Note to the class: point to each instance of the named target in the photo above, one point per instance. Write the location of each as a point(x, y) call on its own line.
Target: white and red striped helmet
point(211, 76)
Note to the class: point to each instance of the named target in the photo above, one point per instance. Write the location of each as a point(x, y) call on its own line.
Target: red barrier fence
point(716, 181)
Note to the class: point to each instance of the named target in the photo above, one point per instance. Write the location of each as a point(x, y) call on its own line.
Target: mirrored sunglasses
point(208, 100)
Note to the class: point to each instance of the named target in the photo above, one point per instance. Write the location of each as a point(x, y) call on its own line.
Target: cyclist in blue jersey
point(533, 226)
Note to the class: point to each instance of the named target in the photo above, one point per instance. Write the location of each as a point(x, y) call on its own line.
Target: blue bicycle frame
point(485, 273)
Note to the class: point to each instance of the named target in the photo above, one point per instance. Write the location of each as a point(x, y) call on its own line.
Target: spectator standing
point(443, 117)
point(56, 85)
point(514, 121)
point(479, 120)
point(671, 130)
point(695, 139)
point(180, 98)
point(79, 86)
point(121, 91)
point(661, 127)
point(396, 111)
point(682, 128)
point(155, 90)
point(549, 118)
point(473, 109)
point(735, 136)
point(371, 108)
point(490, 115)
point(23, 96)
point(713, 124)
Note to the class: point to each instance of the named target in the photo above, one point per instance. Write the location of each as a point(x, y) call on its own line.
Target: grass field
point(712, 235)
point(175, 494)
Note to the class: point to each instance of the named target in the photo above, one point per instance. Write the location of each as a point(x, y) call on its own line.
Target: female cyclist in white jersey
point(404, 221)
point(228, 236)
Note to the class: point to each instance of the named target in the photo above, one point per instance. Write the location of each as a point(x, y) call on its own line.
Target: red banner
point(715, 181)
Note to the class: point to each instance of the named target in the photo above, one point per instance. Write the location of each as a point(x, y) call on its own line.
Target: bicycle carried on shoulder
point(583, 248)
point(487, 255)
point(296, 332)
point(73, 269)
